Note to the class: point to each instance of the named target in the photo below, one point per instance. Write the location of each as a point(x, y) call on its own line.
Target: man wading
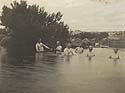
point(40, 46)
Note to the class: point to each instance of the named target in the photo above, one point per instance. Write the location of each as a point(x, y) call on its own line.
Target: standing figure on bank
point(40, 46)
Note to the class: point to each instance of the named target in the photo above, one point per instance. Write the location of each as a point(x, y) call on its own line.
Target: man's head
point(80, 45)
point(69, 45)
point(90, 48)
point(58, 42)
point(39, 40)
point(116, 50)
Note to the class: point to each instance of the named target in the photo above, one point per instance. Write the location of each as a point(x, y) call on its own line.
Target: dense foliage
point(28, 23)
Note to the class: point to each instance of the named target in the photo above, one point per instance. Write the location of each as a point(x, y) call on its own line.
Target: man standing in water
point(40, 46)
point(79, 49)
point(68, 50)
point(115, 56)
point(58, 47)
point(91, 53)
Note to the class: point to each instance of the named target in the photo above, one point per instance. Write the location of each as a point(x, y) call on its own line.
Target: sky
point(85, 15)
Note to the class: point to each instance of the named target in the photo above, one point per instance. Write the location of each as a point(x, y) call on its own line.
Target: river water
point(51, 73)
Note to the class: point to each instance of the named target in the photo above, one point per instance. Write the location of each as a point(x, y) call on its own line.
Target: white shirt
point(114, 56)
point(90, 54)
point(79, 50)
point(68, 51)
point(59, 48)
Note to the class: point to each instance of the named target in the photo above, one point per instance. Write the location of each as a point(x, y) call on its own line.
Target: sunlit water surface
point(51, 73)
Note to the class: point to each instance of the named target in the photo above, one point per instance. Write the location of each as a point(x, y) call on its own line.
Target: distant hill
point(117, 35)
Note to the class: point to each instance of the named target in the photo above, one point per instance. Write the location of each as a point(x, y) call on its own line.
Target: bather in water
point(115, 55)
point(90, 53)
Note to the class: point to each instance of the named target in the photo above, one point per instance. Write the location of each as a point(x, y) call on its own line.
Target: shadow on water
point(90, 59)
point(23, 74)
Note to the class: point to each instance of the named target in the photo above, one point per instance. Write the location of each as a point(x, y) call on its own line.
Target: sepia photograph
point(62, 46)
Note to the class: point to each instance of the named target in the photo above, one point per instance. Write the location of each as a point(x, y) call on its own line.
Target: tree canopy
point(27, 23)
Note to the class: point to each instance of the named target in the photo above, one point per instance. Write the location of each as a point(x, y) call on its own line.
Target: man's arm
point(46, 46)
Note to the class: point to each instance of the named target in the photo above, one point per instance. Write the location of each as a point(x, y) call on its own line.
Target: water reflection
point(39, 57)
point(90, 59)
point(53, 73)
point(67, 58)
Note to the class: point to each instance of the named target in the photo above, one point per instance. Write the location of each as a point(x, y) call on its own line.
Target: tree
point(27, 23)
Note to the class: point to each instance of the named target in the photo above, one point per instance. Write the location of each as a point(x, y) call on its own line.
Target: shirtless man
point(58, 47)
point(40, 46)
point(90, 53)
point(68, 50)
point(79, 50)
point(115, 56)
